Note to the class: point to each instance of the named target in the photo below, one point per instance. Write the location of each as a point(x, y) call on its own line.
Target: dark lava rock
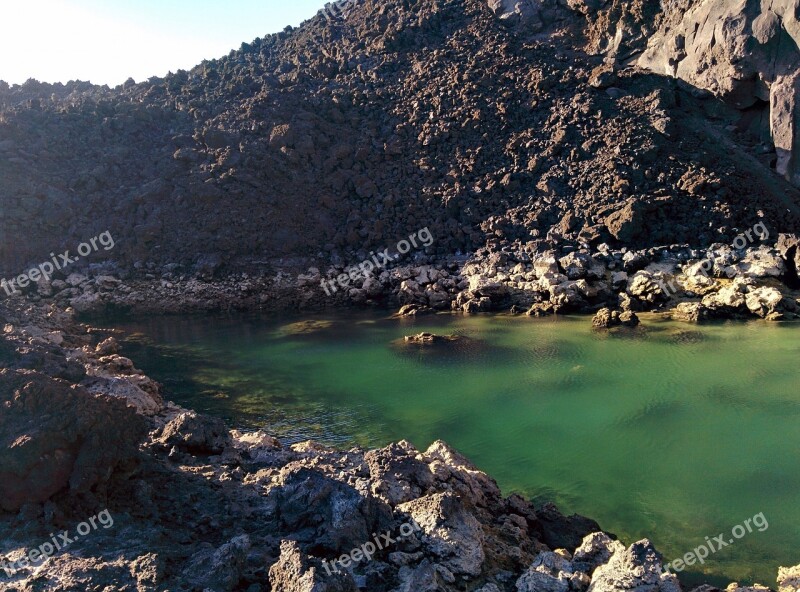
point(196, 434)
point(58, 437)
point(297, 572)
point(564, 532)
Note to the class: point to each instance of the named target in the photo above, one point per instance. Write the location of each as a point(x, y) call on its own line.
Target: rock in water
point(607, 318)
point(432, 338)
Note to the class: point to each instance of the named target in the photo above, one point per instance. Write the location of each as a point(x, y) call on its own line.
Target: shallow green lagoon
point(673, 431)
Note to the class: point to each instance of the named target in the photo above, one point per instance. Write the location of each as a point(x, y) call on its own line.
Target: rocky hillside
point(490, 123)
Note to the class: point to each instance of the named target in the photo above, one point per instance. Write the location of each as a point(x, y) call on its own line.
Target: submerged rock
point(308, 327)
point(414, 310)
point(432, 338)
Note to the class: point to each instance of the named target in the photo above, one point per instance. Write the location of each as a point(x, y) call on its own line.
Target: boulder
point(605, 318)
point(321, 513)
point(196, 434)
point(628, 318)
point(728, 300)
point(595, 550)
point(87, 303)
point(398, 474)
point(525, 10)
point(567, 296)
point(764, 302)
point(450, 532)
point(626, 223)
point(762, 263)
point(789, 579)
point(604, 76)
point(218, 569)
point(647, 287)
point(426, 577)
point(126, 387)
point(635, 569)
point(619, 280)
point(698, 277)
point(55, 437)
point(552, 572)
point(576, 265)
point(545, 263)
point(691, 312)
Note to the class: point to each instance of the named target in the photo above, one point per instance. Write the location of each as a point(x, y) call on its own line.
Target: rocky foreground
point(198, 507)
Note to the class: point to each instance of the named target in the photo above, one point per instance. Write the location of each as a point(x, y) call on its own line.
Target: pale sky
point(107, 41)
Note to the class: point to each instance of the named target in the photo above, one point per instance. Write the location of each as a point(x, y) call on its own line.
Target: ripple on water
point(734, 399)
point(653, 413)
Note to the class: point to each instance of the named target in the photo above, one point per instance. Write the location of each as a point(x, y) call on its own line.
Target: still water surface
point(671, 431)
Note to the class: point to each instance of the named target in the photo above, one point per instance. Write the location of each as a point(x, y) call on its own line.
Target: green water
point(671, 431)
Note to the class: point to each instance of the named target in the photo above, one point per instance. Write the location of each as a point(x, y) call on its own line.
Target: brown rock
point(56, 437)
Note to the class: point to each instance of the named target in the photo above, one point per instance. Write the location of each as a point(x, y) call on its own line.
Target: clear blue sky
point(106, 41)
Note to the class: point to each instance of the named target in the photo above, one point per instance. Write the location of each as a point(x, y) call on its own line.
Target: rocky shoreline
point(722, 281)
point(199, 507)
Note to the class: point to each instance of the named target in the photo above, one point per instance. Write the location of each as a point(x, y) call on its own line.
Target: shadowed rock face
point(55, 437)
point(745, 52)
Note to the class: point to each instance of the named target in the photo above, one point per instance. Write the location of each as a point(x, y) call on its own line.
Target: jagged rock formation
point(745, 52)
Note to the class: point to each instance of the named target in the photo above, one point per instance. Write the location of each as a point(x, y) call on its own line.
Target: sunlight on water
point(671, 431)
